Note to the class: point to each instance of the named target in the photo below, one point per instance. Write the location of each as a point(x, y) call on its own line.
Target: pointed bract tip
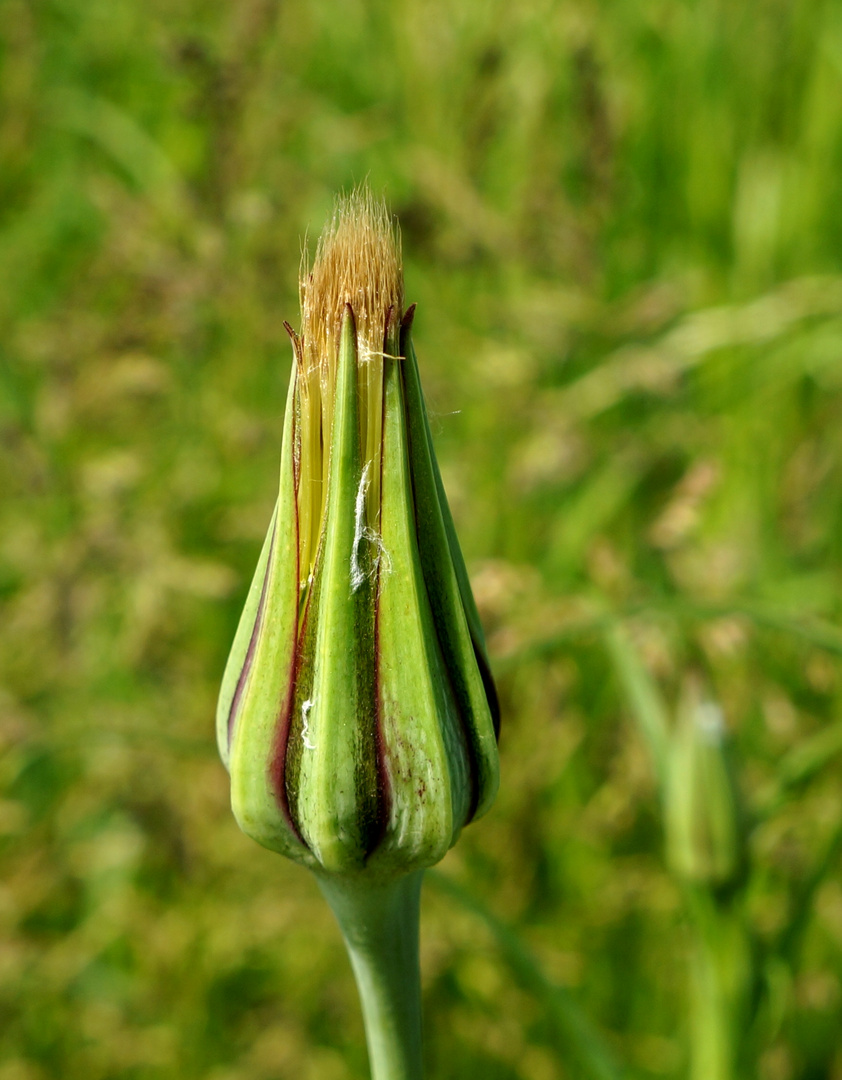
point(408, 319)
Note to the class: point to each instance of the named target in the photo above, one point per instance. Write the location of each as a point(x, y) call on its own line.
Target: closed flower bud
point(704, 843)
point(357, 716)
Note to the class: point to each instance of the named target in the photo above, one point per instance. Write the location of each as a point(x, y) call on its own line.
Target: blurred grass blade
point(576, 1034)
point(643, 696)
point(119, 135)
point(816, 631)
point(699, 335)
point(800, 764)
point(609, 489)
point(805, 760)
point(803, 907)
point(820, 632)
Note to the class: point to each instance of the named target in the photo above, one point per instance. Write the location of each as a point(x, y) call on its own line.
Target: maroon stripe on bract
point(277, 765)
point(489, 685)
point(255, 632)
point(384, 783)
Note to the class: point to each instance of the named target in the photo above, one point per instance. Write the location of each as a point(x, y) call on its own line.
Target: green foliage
point(621, 225)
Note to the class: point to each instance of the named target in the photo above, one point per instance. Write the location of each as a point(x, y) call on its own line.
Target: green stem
point(721, 980)
point(380, 924)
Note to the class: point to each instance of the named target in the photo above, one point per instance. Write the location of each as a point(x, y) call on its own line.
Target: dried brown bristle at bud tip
point(358, 262)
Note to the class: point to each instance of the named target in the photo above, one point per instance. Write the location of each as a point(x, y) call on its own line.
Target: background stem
point(380, 924)
point(721, 979)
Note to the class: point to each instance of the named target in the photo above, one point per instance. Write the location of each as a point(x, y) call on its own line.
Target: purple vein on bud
point(258, 622)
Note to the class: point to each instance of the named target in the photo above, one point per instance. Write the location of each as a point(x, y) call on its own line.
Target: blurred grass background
point(622, 227)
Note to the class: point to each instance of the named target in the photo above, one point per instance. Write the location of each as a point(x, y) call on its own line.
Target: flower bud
point(357, 715)
point(702, 818)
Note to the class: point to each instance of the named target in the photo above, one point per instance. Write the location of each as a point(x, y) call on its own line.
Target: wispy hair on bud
point(358, 262)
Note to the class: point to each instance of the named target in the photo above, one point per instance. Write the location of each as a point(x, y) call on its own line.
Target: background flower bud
point(702, 817)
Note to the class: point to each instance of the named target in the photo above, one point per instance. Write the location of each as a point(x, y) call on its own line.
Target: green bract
point(357, 715)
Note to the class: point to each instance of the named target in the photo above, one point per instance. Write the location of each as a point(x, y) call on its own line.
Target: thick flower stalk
point(357, 715)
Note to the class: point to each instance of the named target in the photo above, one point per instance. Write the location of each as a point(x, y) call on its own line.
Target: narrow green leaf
point(644, 698)
point(575, 1033)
